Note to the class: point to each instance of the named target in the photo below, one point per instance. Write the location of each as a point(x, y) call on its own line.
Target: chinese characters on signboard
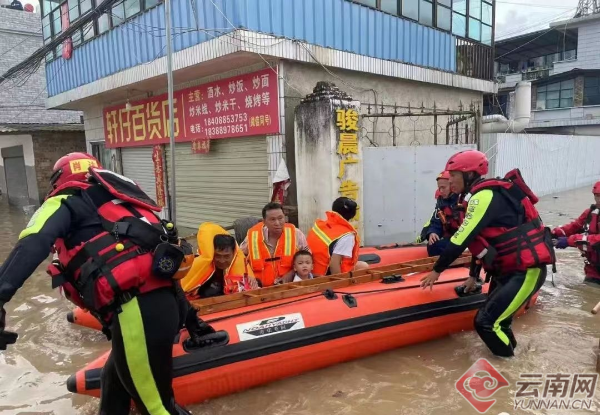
point(347, 150)
point(246, 105)
point(201, 146)
point(159, 175)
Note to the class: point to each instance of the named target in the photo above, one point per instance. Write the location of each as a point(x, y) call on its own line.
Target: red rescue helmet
point(468, 160)
point(596, 189)
point(445, 175)
point(72, 167)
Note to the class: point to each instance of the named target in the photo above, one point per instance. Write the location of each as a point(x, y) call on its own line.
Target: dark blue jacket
point(434, 224)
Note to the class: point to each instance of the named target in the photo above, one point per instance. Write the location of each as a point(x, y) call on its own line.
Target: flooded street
point(557, 335)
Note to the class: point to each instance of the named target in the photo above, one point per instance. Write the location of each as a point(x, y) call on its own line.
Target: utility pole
point(173, 192)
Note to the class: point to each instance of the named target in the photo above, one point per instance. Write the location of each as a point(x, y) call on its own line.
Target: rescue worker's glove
point(196, 327)
point(562, 242)
point(6, 337)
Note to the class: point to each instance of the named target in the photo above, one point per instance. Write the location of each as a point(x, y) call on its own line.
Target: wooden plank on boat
point(317, 285)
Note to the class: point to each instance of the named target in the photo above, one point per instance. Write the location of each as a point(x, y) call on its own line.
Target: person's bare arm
point(335, 264)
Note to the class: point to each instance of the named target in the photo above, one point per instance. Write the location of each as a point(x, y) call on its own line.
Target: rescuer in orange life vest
point(117, 259)
point(444, 221)
point(584, 233)
point(270, 246)
point(502, 229)
point(334, 242)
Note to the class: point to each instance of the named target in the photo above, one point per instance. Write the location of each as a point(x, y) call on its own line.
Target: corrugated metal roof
point(332, 24)
point(280, 48)
point(24, 128)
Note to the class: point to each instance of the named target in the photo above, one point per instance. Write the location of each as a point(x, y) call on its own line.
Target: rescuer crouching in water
point(503, 230)
point(584, 233)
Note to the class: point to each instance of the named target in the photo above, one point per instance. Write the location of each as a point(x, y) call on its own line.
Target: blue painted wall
point(336, 24)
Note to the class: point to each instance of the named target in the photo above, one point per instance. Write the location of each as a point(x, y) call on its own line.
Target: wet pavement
point(556, 336)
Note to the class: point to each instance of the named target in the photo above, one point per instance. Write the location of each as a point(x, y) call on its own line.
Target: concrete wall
point(24, 140)
point(48, 147)
point(20, 36)
point(302, 78)
point(549, 163)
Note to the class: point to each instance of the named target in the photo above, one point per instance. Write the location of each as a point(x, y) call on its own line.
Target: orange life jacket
point(236, 276)
point(322, 238)
point(269, 267)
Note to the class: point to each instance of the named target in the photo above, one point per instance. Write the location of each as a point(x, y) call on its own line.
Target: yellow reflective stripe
point(287, 249)
point(41, 216)
point(478, 206)
point(136, 354)
point(254, 251)
point(531, 280)
point(321, 235)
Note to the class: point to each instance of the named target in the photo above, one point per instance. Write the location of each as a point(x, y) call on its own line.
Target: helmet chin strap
point(469, 178)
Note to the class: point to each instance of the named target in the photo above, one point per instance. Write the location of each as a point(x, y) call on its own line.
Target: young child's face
point(303, 265)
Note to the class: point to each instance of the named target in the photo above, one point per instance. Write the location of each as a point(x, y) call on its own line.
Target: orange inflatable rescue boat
point(286, 330)
point(375, 256)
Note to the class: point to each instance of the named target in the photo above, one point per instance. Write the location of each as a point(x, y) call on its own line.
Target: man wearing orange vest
point(220, 268)
point(334, 242)
point(270, 246)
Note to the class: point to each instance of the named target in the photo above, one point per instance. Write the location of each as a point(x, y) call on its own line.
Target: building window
point(443, 17)
point(73, 10)
point(389, 6)
point(46, 28)
point(475, 9)
point(570, 54)
point(118, 14)
point(410, 9)
point(426, 13)
point(480, 21)
point(132, 7)
point(474, 29)
point(556, 95)
point(459, 25)
point(150, 3)
point(89, 31)
point(370, 3)
point(103, 23)
point(48, 6)
point(591, 91)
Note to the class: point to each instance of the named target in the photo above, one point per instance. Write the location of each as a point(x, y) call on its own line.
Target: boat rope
point(398, 288)
point(243, 313)
point(327, 293)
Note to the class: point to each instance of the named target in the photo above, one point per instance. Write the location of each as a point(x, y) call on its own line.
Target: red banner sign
point(201, 146)
point(159, 175)
point(241, 106)
point(67, 50)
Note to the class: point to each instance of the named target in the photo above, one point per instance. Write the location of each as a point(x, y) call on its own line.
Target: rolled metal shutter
point(228, 183)
point(138, 166)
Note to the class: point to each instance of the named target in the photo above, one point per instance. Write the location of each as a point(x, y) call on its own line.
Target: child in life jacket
point(303, 266)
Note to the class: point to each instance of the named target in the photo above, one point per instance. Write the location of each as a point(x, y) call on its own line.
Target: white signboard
point(269, 326)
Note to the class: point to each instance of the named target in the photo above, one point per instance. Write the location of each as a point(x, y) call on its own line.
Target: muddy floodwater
point(556, 336)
